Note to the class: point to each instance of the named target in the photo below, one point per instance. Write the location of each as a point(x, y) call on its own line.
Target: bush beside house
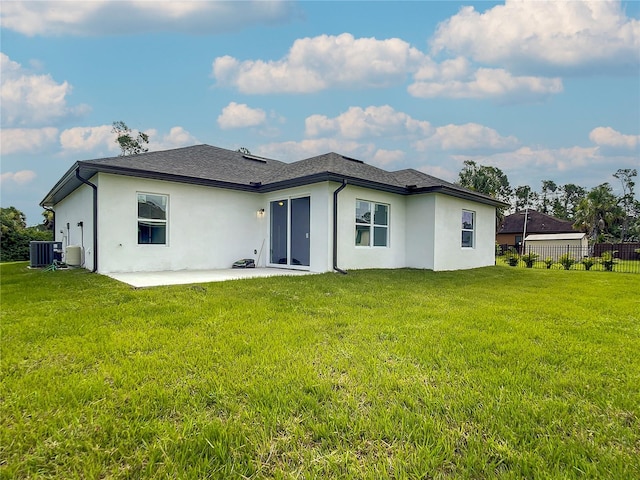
point(15, 235)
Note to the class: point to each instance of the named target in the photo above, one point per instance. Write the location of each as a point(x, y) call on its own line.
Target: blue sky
point(542, 90)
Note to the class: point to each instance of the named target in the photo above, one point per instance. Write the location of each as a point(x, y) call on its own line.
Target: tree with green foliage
point(547, 196)
point(569, 198)
point(633, 227)
point(627, 200)
point(488, 180)
point(483, 179)
point(128, 144)
point(15, 235)
point(48, 220)
point(523, 197)
point(599, 213)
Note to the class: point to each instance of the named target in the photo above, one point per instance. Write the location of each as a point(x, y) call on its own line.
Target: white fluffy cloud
point(561, 34)
point(100, 140)
point(385, 122)
point(240, 115)
point(315, 64)
point(453, 80)
point(372, 121)
point(529, 165)
point(323, 62)
point(26, 140)
point(176, 138)
point(608, 137)
point(21, 177)
point(89, 139)
point(467, 137)
point(384, 158)
point(28, 99)
point(106, 17)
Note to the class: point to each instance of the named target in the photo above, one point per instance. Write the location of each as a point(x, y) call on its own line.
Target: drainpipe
point(335, 227)
point(95, 218)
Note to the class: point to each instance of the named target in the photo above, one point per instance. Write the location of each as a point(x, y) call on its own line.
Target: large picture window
point(152, 218)
point(372, 224)
point(468, 228)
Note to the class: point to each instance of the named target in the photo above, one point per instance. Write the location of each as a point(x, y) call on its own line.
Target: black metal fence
point(573, 257)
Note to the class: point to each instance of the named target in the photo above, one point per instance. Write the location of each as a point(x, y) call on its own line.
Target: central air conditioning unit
point(43, 254)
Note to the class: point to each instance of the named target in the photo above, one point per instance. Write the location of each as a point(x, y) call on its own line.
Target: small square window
point(372, 230)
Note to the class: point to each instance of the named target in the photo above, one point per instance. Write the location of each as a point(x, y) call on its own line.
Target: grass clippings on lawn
point(489, 373)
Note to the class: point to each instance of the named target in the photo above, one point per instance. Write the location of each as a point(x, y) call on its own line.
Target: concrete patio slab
point(185, 277)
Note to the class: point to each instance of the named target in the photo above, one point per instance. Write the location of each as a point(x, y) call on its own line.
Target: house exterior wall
point(210, 228)
point(448, 251)
point(76, 208)
point(507, 238)
point(420, 231)
point(354, 257)
point(199, 236)
point(321, 232)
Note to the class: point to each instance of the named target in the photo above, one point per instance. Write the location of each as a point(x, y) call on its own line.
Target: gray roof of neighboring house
point(537, 222)
point(218, 167)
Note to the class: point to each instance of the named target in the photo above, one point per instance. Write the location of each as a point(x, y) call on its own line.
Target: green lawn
point(491, 373)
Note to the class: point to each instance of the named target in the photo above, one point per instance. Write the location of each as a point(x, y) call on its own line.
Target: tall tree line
point(605, 216)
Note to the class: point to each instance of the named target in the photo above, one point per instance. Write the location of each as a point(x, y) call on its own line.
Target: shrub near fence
point(574, 257)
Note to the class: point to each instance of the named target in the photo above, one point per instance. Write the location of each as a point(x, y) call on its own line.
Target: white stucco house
point(204, 207)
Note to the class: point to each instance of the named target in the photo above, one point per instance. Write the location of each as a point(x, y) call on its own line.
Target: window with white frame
point(468, 228)
point(372, 224)
point(152, 218)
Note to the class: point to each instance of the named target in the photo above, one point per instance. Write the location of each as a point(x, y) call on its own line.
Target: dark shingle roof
point(334, 163)
point(536, 223)
point(214, 166)
point(411, 177)
point(200, 161)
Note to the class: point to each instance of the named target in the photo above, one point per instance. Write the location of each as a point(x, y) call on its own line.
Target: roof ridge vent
point(352, 159)
point(254, 158)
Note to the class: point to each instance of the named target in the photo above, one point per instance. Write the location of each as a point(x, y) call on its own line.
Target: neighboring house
point(511, 229)
point(204, 207)
point(554, 245)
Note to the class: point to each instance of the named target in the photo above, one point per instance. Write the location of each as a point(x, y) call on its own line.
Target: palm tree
point(598, 213)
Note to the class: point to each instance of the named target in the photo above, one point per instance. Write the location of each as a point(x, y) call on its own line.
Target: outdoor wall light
point(261, 212)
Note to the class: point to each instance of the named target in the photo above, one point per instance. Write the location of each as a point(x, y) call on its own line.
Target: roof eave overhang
point(67, 184)
point(131, 172)
point(462, 194)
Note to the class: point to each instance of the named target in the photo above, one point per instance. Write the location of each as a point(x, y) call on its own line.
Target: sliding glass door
point(290, 225)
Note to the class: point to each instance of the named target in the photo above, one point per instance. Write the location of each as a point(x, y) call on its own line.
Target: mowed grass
point(490, 373)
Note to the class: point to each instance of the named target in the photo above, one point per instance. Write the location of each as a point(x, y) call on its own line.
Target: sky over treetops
point(544, 90)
